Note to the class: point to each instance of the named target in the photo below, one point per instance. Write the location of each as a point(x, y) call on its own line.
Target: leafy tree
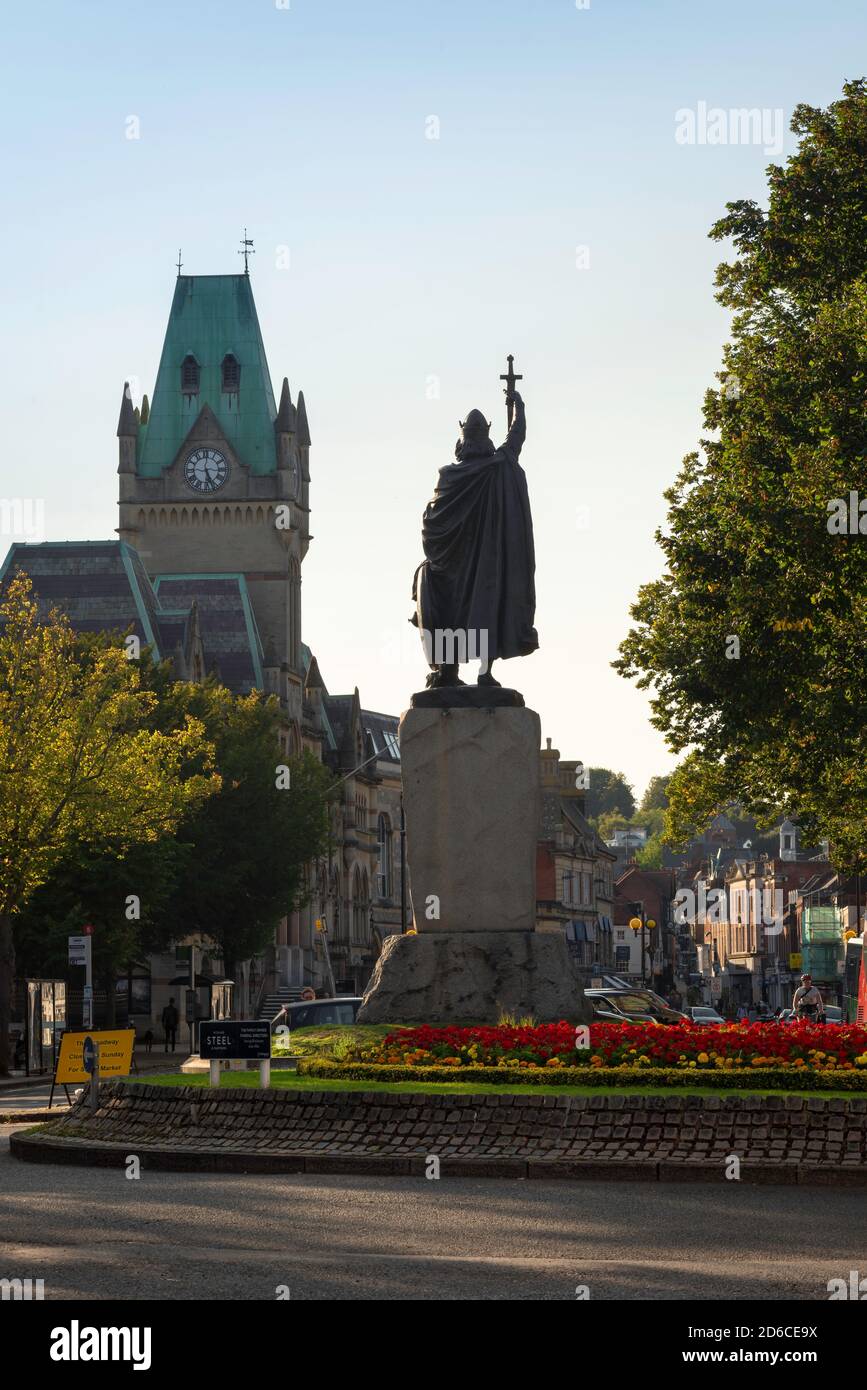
point(124, 896)
point(608, 791)
point(653, 821)
point(655, 796)
point(76, 760)
point(753, 640)
point(651, 852)
point(608, 823)
point(248, 845)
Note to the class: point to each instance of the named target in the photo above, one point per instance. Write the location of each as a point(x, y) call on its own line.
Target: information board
point(236, 1039)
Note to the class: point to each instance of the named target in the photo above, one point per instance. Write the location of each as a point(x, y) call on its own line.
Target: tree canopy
point(608, 791)
point(78, 760)
point(753, 639)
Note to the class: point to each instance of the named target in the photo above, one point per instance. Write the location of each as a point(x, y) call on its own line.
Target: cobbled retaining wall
point(779, 1139)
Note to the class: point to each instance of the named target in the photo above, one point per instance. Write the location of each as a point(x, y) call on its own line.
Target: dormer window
point(231, 373)
point(190, 376)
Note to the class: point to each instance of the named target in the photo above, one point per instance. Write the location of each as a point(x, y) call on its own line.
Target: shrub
point(778, 1078)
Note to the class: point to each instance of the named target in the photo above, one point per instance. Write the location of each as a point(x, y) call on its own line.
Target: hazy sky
point(414, 265)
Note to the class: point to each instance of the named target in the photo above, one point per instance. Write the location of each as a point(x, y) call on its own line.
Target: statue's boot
point(486, 678)
point(442, 676)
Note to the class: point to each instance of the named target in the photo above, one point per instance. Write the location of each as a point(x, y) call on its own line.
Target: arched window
point(231, 373)
point(338, 922)
point(190, 376)
point(383, 868)
point(295, 614)
point(360, 908)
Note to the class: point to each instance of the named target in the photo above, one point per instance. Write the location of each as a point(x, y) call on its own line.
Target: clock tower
point(214, 482)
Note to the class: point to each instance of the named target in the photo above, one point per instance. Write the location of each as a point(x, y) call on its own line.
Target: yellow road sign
point(115, 1054)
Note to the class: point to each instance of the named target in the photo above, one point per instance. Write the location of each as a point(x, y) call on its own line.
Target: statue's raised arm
point(518, 428)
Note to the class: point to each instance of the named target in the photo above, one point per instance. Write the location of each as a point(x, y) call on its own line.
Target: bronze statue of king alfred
point(470, 781)
point(475, 592)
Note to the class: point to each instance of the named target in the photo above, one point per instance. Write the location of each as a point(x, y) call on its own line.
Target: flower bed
point(603, 1078)
point(797, 1047)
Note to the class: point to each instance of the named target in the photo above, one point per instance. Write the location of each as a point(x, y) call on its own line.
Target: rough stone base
point(473, 977)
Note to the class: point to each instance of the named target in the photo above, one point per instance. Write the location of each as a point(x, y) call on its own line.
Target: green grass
point(333, 1042)
point(291, 1080)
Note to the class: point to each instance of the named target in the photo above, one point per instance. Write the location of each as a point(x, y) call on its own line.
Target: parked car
point(322, 1013)
point(834, 1014)
point(631, 1006)
point(701, 1014)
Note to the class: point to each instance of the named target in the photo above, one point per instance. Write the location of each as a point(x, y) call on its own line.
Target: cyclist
point(807, 1004)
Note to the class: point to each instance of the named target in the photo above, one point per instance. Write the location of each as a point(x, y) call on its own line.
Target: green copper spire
point(212, 317)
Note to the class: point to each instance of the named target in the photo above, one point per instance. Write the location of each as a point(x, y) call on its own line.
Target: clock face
point(206, 470)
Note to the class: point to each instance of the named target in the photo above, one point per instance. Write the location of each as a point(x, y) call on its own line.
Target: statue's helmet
point(475, 441)
point(475, 429)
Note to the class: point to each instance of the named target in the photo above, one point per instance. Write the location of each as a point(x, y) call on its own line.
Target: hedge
point(747, 1079)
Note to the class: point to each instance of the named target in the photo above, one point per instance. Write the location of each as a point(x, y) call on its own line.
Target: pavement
point(94, 1233)
point(27, 1096)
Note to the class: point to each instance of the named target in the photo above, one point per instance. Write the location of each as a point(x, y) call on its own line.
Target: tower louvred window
point(231, 373)
point(189, 376)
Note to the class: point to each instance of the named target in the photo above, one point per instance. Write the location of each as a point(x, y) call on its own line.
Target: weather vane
point(180, 262)
point(246, 250)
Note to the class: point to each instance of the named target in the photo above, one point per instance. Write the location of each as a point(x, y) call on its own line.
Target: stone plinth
point(474, 977)
point(471, 798)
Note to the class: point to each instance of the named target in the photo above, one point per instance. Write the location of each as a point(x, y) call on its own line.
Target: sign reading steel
point(115, 1055)
point(237, 1039)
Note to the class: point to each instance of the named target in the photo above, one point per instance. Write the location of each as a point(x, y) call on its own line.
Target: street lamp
point(637, 925)
point(641, 924)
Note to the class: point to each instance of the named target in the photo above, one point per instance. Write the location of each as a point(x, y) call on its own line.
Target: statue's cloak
point(479, 574)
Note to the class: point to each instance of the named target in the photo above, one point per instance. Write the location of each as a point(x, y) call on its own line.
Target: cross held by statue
point(510, 377)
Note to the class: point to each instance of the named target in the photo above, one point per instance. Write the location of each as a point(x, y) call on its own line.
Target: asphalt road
point(94, 1233)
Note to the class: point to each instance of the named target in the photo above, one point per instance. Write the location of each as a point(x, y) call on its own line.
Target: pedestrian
point(807, 1003)
point(170, 1024)
point(743, 1013)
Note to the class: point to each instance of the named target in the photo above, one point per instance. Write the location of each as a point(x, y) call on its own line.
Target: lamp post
point(642, 924)
point(637, 925)
point(402, 868)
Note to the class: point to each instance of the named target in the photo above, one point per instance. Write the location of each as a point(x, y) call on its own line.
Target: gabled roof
point(555, 809)
point(102, 586)
point(342, 712)
point(233, 650)
point(211, 316)
point(382, 733)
